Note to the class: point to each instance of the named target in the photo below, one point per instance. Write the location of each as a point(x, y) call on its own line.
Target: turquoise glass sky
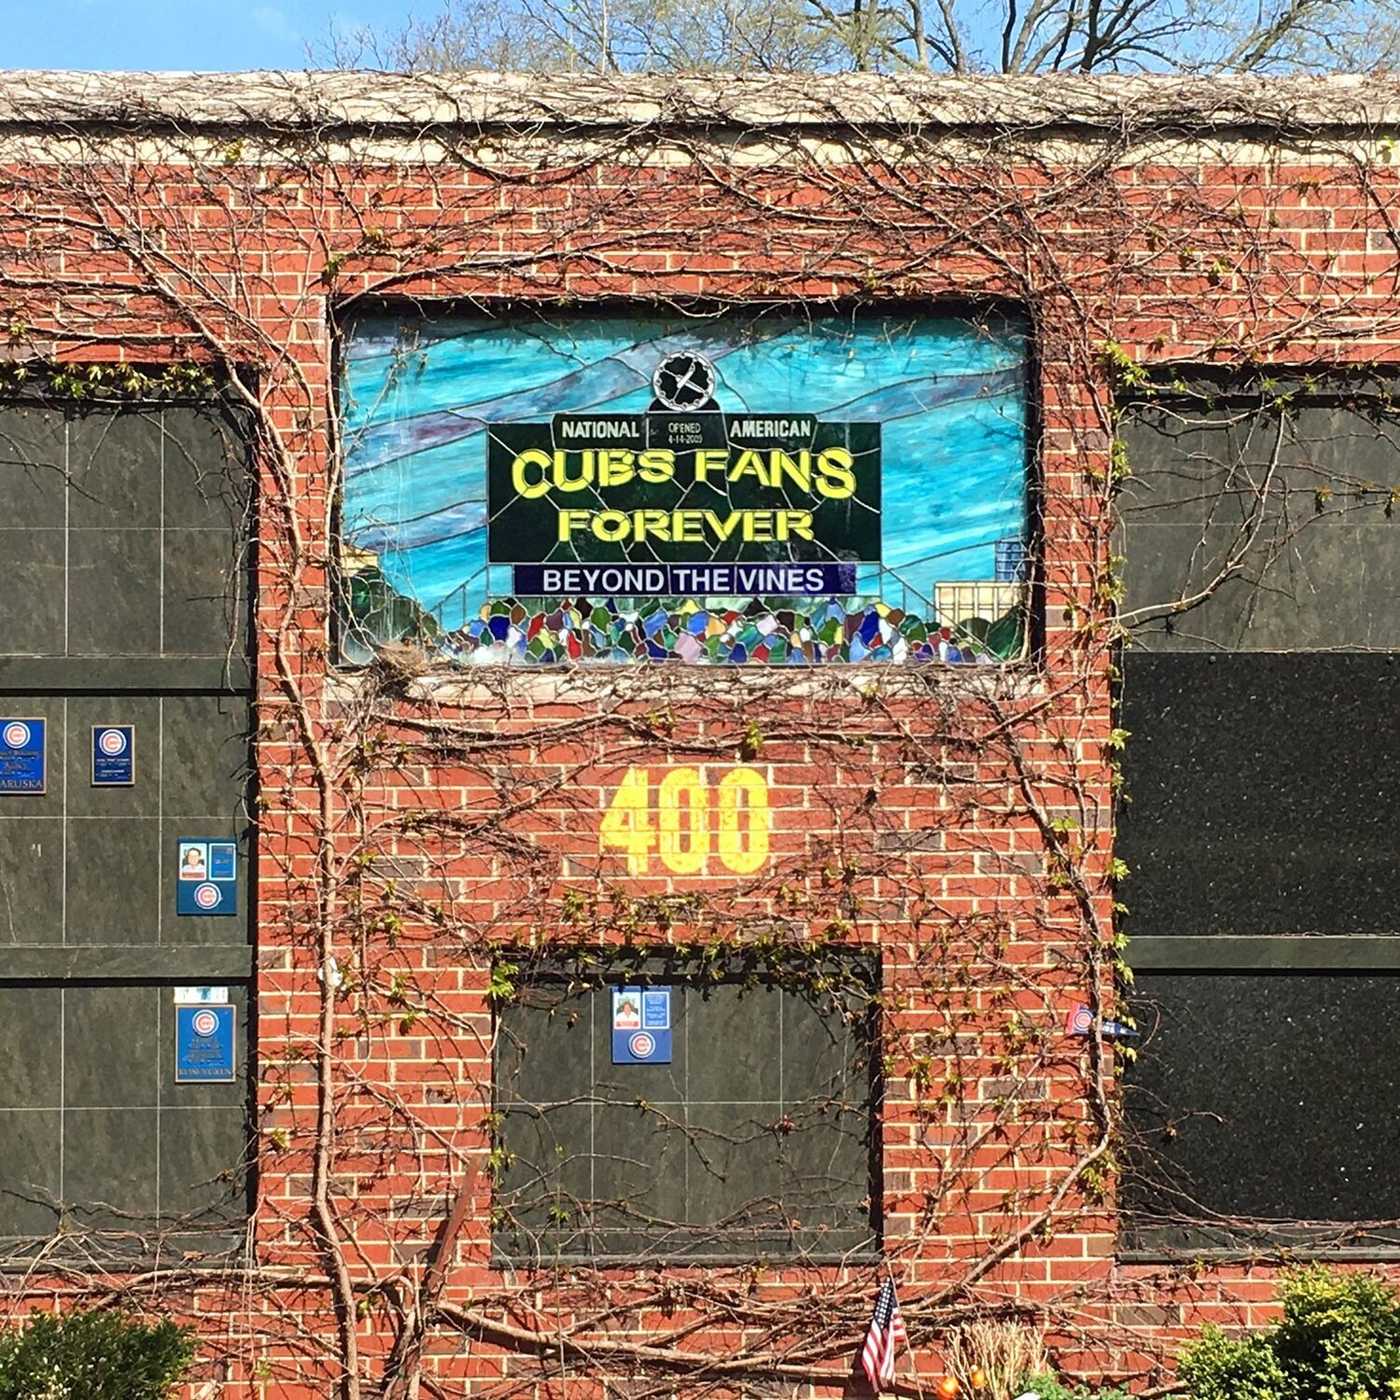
point(950, 395)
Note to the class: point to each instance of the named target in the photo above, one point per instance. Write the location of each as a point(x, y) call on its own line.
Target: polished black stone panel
point(1260, 793)
point(1263, 1106)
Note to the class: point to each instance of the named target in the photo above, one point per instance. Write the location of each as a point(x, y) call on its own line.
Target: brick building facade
point(852, 854)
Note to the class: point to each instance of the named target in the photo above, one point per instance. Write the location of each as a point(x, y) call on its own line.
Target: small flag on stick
point(883, 1339)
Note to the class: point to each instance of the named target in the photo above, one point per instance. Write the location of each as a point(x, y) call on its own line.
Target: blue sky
point(217, 34)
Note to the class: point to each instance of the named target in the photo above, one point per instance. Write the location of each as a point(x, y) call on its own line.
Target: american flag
point(883, 1339)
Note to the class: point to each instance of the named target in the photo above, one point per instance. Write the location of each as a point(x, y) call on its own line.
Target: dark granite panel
point(829, 1151)
point(108, 874)
point(117, 1048)
point(208, 962)
point(756, 1140)
point(115, 559)
point(824, 1051)
point(110, 1171)
point(1271, 1098)
point(544, 1045)
point(86, 712)
point(639, 1172)
point(1328, 587)
point(1337, 585)
point(1262, 791)
point(113, 880)
point(114, 471)
point(142, 539)
point(1221, 952)
point(32, 601)
point(654, 1083)
point(30, 1166)
point(206, 469)
point(33, 466)
point(546, 1185)
point(734, 1039)
point(98, 675)
point(824, 1173)
point(1220, 463)
point(111, 1052)
point(1181, 463)
point(735, 1168)
point(205, 757)
point(113, 582)
point(31, 880)
point(204, 1171)
point(205, 608)
point(1303, 499)
point(1176, 598)
point(31, 1048)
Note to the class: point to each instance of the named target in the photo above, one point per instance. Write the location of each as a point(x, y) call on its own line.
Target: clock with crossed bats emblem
point(684, 382)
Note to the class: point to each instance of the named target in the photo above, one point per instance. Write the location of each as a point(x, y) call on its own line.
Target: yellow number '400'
point(681, 833)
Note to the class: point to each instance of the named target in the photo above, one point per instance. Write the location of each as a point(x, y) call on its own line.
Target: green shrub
point(1338, 1339)
point(1229, 1368)
point(93, 1356)
point(1052, 1387)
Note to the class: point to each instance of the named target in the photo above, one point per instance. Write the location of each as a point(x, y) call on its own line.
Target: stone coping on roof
point(385, 102)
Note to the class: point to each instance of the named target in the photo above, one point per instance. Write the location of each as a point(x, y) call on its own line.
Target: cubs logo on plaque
point(641, 1025)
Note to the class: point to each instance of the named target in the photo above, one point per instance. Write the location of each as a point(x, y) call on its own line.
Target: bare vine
point(413, 821)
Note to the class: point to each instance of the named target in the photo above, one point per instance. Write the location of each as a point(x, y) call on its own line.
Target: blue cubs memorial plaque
point(23, 756)
point(1080, 1023)
point(206, 877)
point(641, 1025)
point(113, 755)
point(205, 1039)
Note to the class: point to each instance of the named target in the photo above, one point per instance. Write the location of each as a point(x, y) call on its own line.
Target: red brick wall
point(915, 812)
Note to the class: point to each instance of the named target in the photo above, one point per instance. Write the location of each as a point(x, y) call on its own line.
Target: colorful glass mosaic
point(765, 631)
point(907, 435)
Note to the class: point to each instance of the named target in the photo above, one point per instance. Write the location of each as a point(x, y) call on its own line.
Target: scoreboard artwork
point(742, 490)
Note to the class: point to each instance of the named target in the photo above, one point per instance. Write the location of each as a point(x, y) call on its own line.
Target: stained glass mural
point(546, 488)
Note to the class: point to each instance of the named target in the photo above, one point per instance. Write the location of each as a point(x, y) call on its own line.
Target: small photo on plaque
point(194, 860)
